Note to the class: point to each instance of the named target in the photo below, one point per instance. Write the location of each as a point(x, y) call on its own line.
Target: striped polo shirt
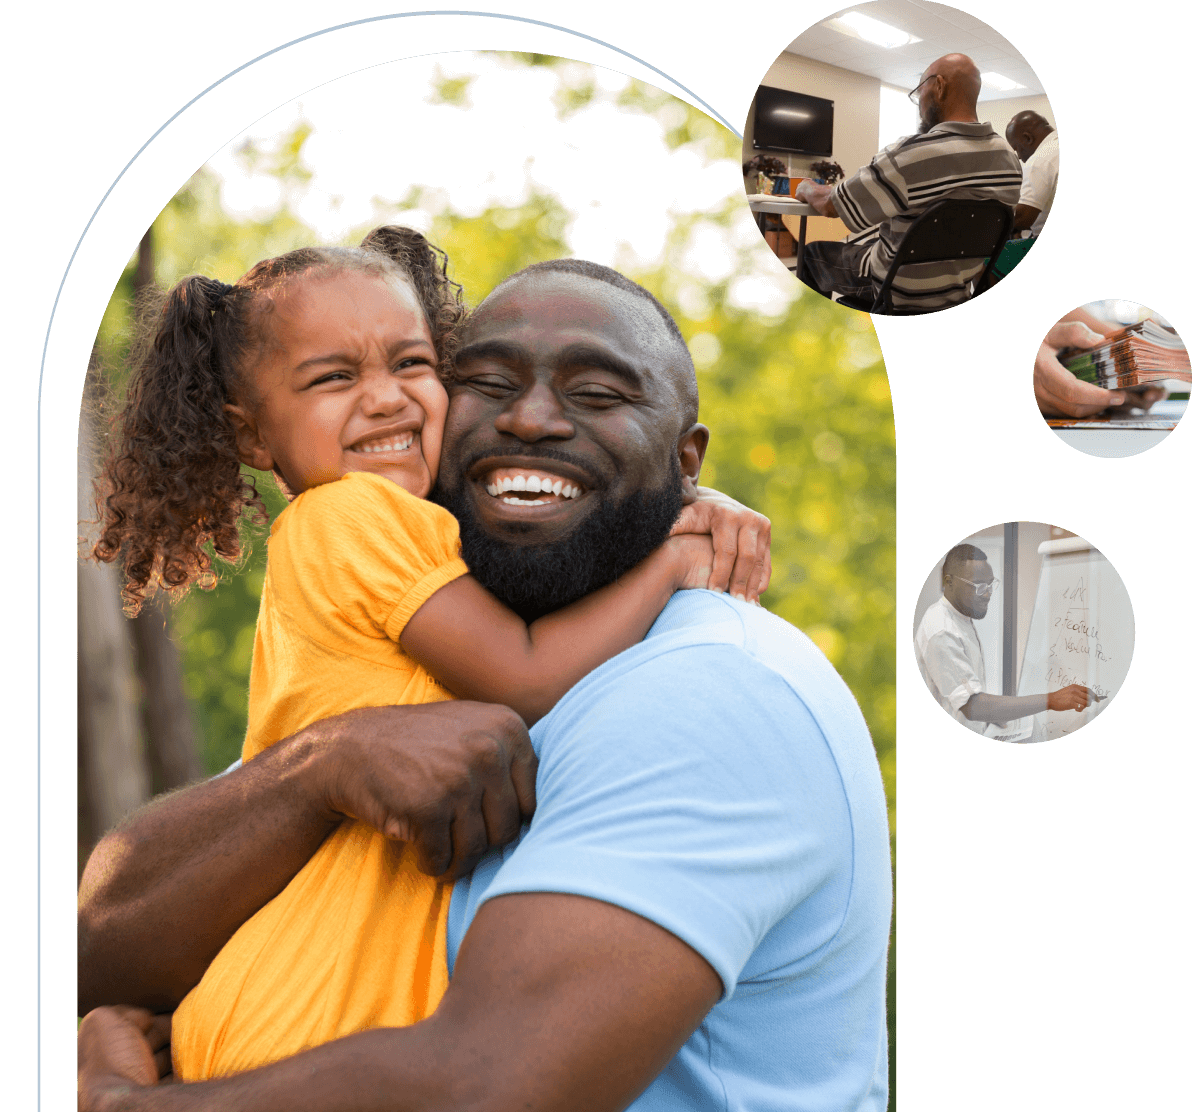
point(962, 161)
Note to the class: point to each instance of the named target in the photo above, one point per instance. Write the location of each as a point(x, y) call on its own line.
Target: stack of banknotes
point(1135, 356)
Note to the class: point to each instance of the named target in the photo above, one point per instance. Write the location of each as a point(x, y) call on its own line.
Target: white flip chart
point(1081, 631)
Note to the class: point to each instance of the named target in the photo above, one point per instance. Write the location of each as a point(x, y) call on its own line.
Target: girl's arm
point(480, 649)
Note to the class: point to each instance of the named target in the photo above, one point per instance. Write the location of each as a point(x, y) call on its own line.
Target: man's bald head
point(658, 327)
point(1026, 131)
point(951, 85)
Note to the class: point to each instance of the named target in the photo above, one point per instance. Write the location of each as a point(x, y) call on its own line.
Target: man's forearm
point(382, 1070)
point(162, 893)
point(547, 1008)
point(984, 707)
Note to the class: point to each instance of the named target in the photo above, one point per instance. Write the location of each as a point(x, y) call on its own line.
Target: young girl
point(322, 366)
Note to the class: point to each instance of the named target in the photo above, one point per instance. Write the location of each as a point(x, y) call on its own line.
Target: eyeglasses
point(982, 590)
point(913, 95)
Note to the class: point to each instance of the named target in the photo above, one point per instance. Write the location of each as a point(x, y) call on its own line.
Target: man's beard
point(929, 118)
point(536, 579)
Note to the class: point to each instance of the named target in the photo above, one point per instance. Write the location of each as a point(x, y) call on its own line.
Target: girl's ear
point(251, 449)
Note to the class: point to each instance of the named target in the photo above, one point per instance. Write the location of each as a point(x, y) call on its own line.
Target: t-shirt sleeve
point(1039, 176)
point(950, 669)
point(695, 790)
point(360, 556)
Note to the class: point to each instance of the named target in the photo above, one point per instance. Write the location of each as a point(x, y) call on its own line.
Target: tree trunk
point(169, 722)
point(113, 778)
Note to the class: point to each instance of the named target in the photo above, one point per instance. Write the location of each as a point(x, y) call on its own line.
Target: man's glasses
point(982, 590)
point(913, 95)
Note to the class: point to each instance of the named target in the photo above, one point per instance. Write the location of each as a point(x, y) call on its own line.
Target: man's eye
point(488, 384)
point(597, 396)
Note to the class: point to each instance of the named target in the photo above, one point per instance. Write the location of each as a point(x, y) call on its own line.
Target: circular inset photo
point(900, 157)
point(1112, 378)
point(1024, 632)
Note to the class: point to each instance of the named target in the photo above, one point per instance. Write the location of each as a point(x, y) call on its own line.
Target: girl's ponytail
point(171, 493)
point(426, 267)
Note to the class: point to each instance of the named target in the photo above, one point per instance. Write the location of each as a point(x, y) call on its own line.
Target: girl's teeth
point(400, 444)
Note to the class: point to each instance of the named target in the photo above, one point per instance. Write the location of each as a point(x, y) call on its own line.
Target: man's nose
point(535, 415)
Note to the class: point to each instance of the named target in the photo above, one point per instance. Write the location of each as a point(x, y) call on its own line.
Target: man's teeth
point(396, 444)
point(534, 485)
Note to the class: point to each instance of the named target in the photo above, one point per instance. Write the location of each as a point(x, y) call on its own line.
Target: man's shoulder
point(700, 630)
point(938, 619)
point(709, 658)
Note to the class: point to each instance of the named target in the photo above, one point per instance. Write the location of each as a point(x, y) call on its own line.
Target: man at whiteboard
point(953, 664)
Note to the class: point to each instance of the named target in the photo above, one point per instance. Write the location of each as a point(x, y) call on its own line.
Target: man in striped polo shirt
point(952, 156)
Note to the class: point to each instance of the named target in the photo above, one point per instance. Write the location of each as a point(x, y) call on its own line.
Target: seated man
point(952, 156)
point(1035, 142)
point(697, 916)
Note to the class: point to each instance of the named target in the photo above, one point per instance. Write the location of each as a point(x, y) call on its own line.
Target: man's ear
point(249, 446)
point(692, 446)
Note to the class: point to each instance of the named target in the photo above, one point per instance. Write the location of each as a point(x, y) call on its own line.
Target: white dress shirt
point(950, 657)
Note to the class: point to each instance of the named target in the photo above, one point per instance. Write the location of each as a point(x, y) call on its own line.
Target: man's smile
point(536, 487)
point(527, 487)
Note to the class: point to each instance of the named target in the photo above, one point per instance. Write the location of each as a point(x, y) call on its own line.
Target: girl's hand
point(120, 1049)
point(691, 558)
point(740, 540)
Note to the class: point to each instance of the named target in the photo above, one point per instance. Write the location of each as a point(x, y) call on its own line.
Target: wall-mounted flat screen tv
point(795, 122)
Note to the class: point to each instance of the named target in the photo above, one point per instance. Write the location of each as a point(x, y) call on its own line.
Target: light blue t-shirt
point(719, 780)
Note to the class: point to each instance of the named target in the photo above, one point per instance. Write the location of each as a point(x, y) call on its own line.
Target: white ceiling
point(944, 30)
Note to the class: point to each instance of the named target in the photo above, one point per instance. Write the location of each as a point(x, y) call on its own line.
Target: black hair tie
point(219, 292)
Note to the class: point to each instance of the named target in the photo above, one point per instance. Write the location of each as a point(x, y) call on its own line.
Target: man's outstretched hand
point(455, 778)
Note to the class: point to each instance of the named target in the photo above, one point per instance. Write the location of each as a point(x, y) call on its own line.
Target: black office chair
point(948, 230)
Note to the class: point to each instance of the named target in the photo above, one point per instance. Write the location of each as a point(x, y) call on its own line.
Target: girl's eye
point(332, 376)
point(415, 362)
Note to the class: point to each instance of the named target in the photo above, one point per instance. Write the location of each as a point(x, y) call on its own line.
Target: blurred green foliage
point(798, 404)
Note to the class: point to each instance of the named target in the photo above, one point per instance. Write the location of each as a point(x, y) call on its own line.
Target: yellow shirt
point(358, 938)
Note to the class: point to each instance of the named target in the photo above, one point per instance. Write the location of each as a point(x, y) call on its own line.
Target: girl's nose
point(535, 415)
point(382, 394)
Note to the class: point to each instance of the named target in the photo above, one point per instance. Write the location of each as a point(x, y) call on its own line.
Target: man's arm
point(1024, 216)
point(557, 1002)
point(984, 707)
point(163, 892)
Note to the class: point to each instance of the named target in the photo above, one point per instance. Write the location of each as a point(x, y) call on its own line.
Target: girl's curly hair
point(172, 493)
